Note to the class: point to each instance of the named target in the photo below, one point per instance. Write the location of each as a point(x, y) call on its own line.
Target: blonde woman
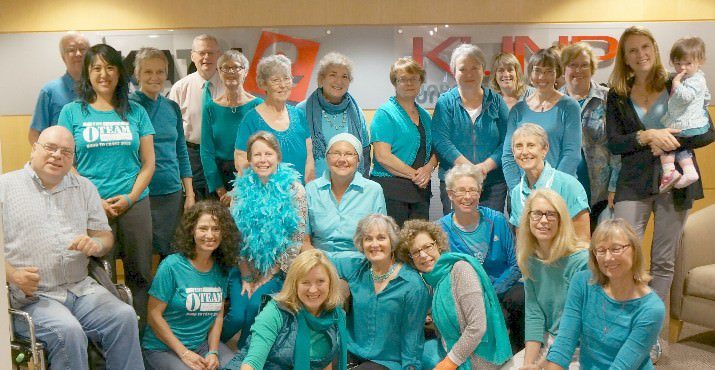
point(610, 309)
point(303, 327)
point(549, 253)
point(508, 80)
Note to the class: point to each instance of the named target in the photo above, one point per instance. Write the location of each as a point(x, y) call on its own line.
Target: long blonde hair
point(620, 79)
point(301, 266)
point(565, 242)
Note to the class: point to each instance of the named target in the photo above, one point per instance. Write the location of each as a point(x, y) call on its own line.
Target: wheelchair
point(30, 353)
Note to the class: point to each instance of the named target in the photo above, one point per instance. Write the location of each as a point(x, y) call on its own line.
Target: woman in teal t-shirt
point(187, 295)
point(219, 123)
point(114, 141)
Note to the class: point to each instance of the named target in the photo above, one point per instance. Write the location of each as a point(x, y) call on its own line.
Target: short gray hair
point(233, 55)
point(464, 170)
point(204, 37)
point(467, 50)
point(335, 59)
point(532, 129)
point(271, 66)
point(145, 54)
point(379, 221)
point(72, 35)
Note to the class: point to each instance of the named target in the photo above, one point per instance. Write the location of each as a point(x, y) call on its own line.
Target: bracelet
point(249, 278)
point(211, 353)
point(129, 200)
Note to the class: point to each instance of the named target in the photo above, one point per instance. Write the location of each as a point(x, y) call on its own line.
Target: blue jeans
point(64, 328)
point(168, 360)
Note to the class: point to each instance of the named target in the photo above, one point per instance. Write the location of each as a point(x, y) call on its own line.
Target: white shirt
point(188, 93)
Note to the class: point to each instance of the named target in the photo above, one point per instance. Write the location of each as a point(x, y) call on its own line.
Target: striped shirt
point(40, 224)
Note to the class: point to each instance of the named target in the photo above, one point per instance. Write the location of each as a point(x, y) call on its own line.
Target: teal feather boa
point(266, 215)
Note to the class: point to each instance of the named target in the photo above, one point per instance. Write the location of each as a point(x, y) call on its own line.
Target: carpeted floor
point(694, 351)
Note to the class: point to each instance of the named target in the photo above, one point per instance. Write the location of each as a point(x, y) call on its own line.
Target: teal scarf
point(494, 346)
point(308, 322)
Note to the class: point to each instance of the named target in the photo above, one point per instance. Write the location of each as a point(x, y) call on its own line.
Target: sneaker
point(668, 180)
point(655, 352)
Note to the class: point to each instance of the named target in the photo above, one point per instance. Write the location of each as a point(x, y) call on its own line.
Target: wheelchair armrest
point(34, 345)
point(125, 294)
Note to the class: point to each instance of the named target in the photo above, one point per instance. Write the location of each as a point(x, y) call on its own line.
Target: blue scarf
point(314, 107)
point(495, 346)
point(308, 322)
point(266, 215)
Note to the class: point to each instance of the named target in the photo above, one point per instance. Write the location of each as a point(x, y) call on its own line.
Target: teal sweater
point(546, 293)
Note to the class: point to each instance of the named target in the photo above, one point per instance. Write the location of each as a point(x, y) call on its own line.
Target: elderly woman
point(485, 234)
point(187, 295)
point(636, 102)
point(401, 134)
point(341, 197)
point(549, 254)
point(557, 113)
point(465, 308)
point(389, 300)
point(283, 121)
point(508, 79)
point(610, 310)
point(469, 125)
point(530, 146)
point(303, 327)
point(114, 141)
point(270, 210)
point(173, 170)
point(220, 119)
point(331, 110)
point(598, 170)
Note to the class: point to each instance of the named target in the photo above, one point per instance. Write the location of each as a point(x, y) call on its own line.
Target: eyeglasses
point(276, 81)
point(72, 50)
point(52, 149)
point(471, 192)
point(427, 249)
point(236, 69)
point(543, 71)
point(335, 155)
point(578, 67)
point(537, 215)
point(204, 53)
point(410, 80)
point(615, 249)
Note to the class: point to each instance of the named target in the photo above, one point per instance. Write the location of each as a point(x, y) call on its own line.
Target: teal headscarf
point(308, 322)
point(495, 346)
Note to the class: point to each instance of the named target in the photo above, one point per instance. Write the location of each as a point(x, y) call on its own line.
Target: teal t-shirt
point(107, 146)
point(193, 300)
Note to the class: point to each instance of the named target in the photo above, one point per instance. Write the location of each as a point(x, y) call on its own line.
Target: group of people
point(300, 235)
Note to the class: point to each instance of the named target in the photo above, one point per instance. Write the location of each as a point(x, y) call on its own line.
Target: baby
point(686, 110)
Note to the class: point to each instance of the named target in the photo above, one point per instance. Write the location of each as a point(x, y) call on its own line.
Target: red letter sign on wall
point(306, 52)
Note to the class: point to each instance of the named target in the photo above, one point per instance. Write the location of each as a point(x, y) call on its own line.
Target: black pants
point(201, 188)
point(357, 363)
point(512, 306)
point(402, 211)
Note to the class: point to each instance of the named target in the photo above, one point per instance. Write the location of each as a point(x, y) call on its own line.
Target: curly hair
point(411, 229)
point(225, 254)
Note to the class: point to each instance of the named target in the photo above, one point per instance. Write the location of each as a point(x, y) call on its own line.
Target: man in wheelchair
point(53, 222)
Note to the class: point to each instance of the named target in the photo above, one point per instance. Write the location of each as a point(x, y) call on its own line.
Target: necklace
point(546, 102)
point(378, 278)
point(336, 124)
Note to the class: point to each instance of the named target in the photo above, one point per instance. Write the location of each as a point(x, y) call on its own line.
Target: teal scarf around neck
point(308, 322)
point(495, 346)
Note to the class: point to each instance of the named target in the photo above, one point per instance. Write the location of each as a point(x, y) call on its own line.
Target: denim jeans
point(168, 360)
point(65, 328)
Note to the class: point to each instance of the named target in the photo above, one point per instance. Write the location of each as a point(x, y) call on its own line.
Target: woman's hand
point(211, 361)
point(193, 360)
point(660, 139)
point(224, 196)
point(108, 210)
point(248, 287)
point(422, 176)
point(611, 200)
point(119, 204)
point(189, 201)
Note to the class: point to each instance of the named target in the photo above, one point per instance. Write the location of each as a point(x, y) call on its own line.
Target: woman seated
point(610, 310)
point(283, 121)
point(220, 119)
point(530, 146)
point(303, 327)
point(187, 295)
point(270, 210)
point(549, 254)
point(465, 308)
point(389, 300)
point(341, 197)
point(484, 233)
point(331, 110)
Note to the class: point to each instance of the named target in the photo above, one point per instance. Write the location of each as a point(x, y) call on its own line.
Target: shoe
point(655, 352)
point(668, 180)
point(686, 180)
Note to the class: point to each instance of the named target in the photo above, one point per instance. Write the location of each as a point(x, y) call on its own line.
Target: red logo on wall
point(302, 53)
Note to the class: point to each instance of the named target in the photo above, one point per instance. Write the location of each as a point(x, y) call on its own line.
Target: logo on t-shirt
point(100, 134)
point(205, 301)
